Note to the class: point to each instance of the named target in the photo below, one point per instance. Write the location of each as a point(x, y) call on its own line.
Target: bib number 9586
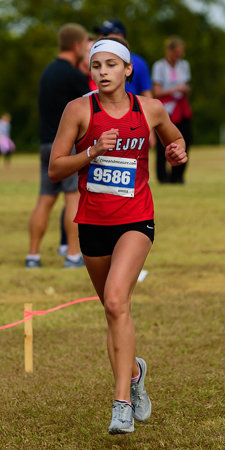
point(107, 175)
point(112, 175)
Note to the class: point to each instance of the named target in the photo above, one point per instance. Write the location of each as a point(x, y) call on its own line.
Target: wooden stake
point(28, 341)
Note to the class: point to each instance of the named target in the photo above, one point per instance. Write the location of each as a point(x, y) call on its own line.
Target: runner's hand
point(175, 154)
point(106, 141)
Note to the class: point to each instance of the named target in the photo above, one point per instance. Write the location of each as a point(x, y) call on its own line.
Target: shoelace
point(121, 412)
point(136, 391)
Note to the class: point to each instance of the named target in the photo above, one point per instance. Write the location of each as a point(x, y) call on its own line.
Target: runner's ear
point(130, 77)
point(129, 70)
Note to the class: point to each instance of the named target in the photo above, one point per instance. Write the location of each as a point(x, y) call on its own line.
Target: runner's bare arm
point(168, 133)
point(72, 125)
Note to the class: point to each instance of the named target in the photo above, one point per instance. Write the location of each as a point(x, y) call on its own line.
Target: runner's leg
point(128, 259)
point(98, 269)
point(114, 279)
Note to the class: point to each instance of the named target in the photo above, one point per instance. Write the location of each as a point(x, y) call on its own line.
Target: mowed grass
point(178, 311)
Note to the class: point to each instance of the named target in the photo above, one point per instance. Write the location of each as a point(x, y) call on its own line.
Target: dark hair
point(123, 42)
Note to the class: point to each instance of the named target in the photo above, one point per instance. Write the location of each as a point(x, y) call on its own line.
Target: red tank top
point(99, 208)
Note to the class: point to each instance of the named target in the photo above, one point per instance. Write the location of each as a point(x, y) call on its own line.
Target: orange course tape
point(29, 314)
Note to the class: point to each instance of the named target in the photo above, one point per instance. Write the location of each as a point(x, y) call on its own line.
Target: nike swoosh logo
point(134, 128)
point(97, 45)
point(152, 228)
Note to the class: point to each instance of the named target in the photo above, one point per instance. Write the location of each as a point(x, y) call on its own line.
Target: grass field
point(178, 312)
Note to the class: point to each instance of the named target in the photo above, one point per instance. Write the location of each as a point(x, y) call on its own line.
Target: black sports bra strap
point(96, 107)
point(136, 106)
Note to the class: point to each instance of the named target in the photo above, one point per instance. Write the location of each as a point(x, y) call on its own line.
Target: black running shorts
point(100, 240)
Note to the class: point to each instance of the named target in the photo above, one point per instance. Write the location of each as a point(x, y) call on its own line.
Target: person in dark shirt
point(84, 67)
point(60, 83)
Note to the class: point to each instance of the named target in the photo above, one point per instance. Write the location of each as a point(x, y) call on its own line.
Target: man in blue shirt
point(141, 83)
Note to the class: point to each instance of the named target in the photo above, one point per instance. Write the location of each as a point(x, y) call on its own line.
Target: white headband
point(112, 47)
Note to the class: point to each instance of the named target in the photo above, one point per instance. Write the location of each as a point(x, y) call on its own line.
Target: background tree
point(28, 42)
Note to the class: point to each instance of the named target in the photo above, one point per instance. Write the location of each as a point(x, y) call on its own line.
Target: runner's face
point(109, 71)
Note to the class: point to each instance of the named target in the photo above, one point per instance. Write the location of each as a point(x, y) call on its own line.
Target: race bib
point(111, 175)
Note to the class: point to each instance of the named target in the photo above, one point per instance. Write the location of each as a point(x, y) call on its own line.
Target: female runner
point(115, 216)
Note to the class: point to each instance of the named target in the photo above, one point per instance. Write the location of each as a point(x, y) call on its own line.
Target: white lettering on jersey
point(130, 144)
point(141, 142)
point(133, 143)
point(125, 147)
point(118, 144)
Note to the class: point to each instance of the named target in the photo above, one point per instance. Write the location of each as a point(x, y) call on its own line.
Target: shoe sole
point(121, 431)
point(148, 413)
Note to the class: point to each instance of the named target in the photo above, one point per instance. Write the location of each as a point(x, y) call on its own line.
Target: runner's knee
point(115, 306)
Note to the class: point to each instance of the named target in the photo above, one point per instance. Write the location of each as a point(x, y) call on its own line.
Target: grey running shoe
point(32, 264)
point(139, 399)
point(122, 420)
point(62, 250)
point(68, 264)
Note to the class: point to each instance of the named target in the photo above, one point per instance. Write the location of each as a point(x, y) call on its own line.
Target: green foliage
point(28, 42)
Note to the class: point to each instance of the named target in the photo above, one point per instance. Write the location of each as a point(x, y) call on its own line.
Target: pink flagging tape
point(14, 324)
point(29, 314)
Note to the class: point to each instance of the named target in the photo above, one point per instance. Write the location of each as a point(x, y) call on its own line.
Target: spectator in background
point(171, 76)
point(83, 66)
point(141, 83)
point(7, 146)
point(60, 83)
